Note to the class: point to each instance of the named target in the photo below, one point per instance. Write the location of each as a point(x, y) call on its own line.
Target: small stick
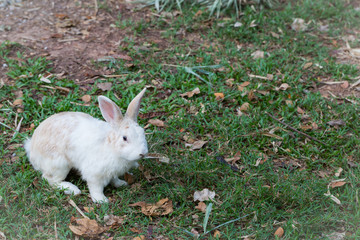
point(96, 8)
point(72, 203)
point(294, 129)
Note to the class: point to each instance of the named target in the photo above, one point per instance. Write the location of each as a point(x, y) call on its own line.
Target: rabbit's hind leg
point(56, 175)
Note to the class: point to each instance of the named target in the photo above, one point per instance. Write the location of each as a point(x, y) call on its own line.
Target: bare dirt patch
point(72, 34)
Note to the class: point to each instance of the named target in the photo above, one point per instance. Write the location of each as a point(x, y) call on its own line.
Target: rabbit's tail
point(27, 146)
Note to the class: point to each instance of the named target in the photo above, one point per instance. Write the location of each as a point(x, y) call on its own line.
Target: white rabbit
point(100, 151)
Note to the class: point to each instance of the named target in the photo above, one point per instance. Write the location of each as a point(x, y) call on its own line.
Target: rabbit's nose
point(142, 155)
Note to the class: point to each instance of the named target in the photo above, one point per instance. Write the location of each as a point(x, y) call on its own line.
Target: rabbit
point(100, 151)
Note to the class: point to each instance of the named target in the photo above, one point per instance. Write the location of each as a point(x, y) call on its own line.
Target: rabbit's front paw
point(116, 182)
point(69, 188)
point(99, 198)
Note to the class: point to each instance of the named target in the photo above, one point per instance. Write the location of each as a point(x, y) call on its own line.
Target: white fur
point(95, 148)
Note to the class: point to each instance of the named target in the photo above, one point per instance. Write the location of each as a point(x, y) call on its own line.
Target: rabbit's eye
point(124, 138)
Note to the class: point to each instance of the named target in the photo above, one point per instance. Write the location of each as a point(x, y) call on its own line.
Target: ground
point(263, 115)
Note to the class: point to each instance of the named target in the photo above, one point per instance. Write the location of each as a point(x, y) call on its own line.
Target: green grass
point(285, 190)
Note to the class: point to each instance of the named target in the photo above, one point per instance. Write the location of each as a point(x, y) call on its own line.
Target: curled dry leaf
point(230, 82)
point(244, 107)
point(283, 87)
point(337, 184)
point(279, 232)
point(86, 98)
point(204, 195)
point(129, 178)
point(345, 84)
point(219, 96)
point(298, 25)
point(113, 221)
point(217, 234)
point(191, 93)
point(86, 228)
point(258, 54)
point(338, 172)
point(106, 86)
point(201, 206)
point(161, 208)
point(337, 122)
point(196, 233)
point(156, 122)
point(197, 145)
point(18, 102)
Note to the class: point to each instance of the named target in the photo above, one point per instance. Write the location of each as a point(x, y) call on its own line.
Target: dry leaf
point(279, 232)
point(307, 65)
point(245, 84)
point(283, 87)
point(234, 159)
point(129, 178)
point(337, 184)
point(258, 54)
point(337, 122)
point(113, 221)
point(338, 172)
point(18, 102)
point(106, 86)
point(86, 228)
point(230, 82)
point(217, 234)
point(298, 25)
point(45, 79)
point(156, 122)
point(204, 195)
point(245, 106)
point(88, 209)
point(161, 208)
point(191, 93)
point(162, 158)
point(86, 98)
point(141, 237)
point(238, 24)
point(201, 206)
point(219, 96)
point(300, 111)
point(196, 233)
point(197, 145)
point(345, 84)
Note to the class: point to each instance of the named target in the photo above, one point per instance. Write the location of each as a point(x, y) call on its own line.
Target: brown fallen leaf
point(136, 230)
point(300, 111)
point(141, 237)
point(201, 206)
point(337, 122)
point(279, 232)
point(198, 145)
point(86, 98)
point(203, 195)
point(337, 184)
point(161, 208)
point(258, 54)
point(219, 96)
point(129, 178)
point(307, 65)
point(105, 86)
point(88, 209)
point(191, 93)
point(298, 25)
point(113, 221)
point(230, 82)
point(245, 106)
point(18, 102)
point(86, 228)
point(345, 84)
point(217, 234)
point(156, 122)
point(282, 87)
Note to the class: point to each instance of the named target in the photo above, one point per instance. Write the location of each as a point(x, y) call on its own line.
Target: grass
point(286, 189)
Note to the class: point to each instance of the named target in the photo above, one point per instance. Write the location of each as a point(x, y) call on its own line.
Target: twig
point(294, 129)
point(72, 203)
point(96, 8)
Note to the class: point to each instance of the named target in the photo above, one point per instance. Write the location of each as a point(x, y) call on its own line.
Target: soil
point(74, 34)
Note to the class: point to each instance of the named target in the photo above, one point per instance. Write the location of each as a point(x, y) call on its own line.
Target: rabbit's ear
point(134, 106)
point(110, 111)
